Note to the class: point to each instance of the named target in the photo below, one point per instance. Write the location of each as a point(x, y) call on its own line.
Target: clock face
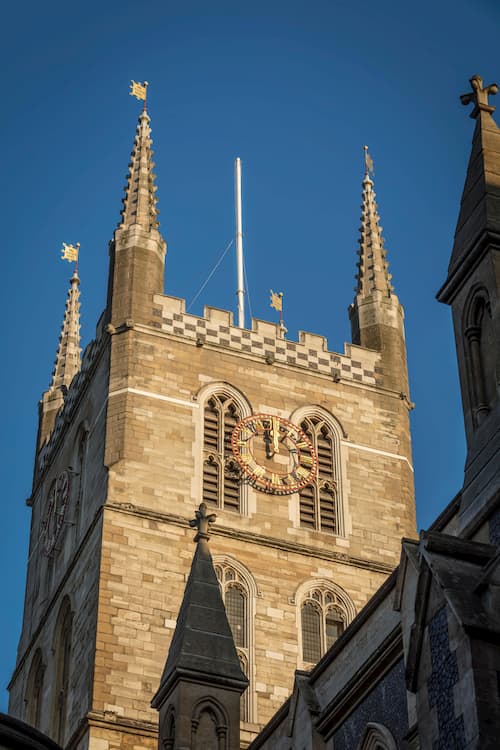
point(52, 523)
point(274, 454)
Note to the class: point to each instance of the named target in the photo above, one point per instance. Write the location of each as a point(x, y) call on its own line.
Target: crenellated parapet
point(265, 340)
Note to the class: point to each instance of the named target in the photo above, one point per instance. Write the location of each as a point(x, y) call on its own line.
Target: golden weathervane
point(139, 90)
point(70, 252)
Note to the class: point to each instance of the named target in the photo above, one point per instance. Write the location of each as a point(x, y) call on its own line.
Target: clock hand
point(267, 441)
point(276, 435)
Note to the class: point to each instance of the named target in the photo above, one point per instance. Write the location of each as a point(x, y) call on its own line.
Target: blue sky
point(293, 88)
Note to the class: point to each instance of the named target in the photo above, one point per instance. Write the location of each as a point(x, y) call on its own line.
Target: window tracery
point(324, 610)
point(236, 590)
point(320, 501)
point(221, 473)
point(323, 620)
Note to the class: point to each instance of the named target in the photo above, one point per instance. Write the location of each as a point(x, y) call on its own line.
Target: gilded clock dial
point(53, 520)
point(274, 454)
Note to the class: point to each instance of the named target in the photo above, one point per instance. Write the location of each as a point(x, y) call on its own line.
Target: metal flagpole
point(240, 292)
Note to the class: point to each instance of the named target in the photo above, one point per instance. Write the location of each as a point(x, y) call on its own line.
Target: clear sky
point(295, 89)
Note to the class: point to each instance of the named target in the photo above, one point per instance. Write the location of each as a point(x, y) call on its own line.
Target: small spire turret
point(373, 270)
point(67, 363)
point(377, 317)
point(203, 670)
point(140, 201)
point(68, 359)
point(137, 250)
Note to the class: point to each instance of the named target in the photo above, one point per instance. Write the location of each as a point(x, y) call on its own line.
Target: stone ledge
point(248, 536)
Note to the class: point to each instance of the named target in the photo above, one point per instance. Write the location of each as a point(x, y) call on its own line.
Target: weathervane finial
point(140, 91)
point(369, 168)
point(479, 95)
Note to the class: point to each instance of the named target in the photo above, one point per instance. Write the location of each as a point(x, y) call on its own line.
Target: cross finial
point(202, 522)
point(479, 95)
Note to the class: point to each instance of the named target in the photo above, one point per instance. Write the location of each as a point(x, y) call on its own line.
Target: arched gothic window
point(34, 694)
point(237, 598)
point(62, 661)
point(168, 741)
point(319, 501)
point(377, 737)
point(209, 726)
point(221, 474)
point(479, 342)
point(323, 620)
point(79, 472)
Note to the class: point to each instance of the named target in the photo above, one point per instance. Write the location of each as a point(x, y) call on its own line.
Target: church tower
point(303, 452)
point(472, 289)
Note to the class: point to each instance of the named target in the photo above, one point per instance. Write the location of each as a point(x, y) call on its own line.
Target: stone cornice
point(110, 721)
point(253, 538)
point(485, 241)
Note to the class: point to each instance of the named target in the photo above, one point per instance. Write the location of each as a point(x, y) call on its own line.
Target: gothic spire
point(373, 274)
point(139, 203)
point(202, 647)
point(478, 215)
point(68, 359)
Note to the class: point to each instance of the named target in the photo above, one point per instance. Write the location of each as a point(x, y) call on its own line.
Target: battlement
point(266, 340)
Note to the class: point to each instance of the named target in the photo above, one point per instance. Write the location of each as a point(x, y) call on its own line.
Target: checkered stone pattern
point(268, 343)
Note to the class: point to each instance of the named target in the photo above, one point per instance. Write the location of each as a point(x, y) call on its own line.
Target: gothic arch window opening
point(238, 601)
point(80, 476)
point(209, 726)
point(62, 661)
point(479, 344)
point(222, 486)
point(34, 693)
point(323, 620)
point(377, 737)
point(319, 506)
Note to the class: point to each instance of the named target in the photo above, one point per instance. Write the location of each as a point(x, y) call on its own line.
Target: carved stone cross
point(202, 522)
point(479, 95)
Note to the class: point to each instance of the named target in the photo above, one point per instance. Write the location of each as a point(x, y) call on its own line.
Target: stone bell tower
point(143, 428)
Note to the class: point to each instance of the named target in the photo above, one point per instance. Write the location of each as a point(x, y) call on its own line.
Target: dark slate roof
point(202, 647)
point(480, 206)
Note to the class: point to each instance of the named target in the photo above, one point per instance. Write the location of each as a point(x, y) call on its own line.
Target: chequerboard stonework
point(142, 433)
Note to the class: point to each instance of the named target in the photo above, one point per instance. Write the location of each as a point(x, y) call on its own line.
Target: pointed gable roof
point(457, 568)
point(202, 647)
point(479, 215)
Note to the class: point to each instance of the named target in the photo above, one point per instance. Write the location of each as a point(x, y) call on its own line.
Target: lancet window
point(62, 651)
point(80, 476)
point(34, 693)
point(319, 501)
point(479, 342)
point(222, 484)
point(238, 601)
point(323, 620)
